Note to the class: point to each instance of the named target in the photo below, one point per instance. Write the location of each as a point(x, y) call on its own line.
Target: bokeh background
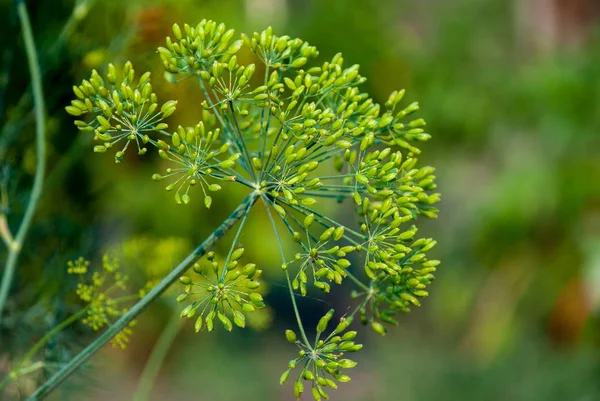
point(511, 93)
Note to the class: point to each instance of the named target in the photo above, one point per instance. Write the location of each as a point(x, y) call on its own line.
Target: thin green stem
point(246, 161)
point(38, 181)
point(5, 231)
point(357, 281)
point(350, 316)
point(296, 312)
point(20, 112)
point(244, 147)
point(140, 306)
point(18, 369)
point(31, 368)
point(33, 350)
point(233, 245)
point(264, 133)
point(360, 305)
point(157, 357)
point(287, 276)
point(352, 277)
point(80, 11)
point(306, 211)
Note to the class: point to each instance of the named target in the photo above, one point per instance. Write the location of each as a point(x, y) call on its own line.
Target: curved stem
point(157, 357)
point(38, 181)
point(140, 306)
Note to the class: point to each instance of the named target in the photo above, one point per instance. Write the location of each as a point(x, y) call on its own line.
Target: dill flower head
point(298, 135)
point(322, 363)
point(99, 293)
point(226, 296)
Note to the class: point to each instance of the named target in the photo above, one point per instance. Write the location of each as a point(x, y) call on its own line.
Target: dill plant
point(299, 135)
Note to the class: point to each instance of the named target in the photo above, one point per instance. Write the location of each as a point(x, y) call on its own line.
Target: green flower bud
point(252, 285)
point(279, 209)
point(350, 335)
point(343, 325)
point(343, 144)
point(235, 255)
point(168, 108)
point(255, 297)
point(284, 376)
point(239, 319)
point(186, 311)
point(290, 336)
point(289, 83)
point(307, 375)
point(326, 234)
point(378, 327)
point(308, 220)
point(198, 324)
point(298, 389)
point(74, 111)
point(347, 363)
point(299, 62)
point(225, 321)
point(324, 321)
point(343, 263)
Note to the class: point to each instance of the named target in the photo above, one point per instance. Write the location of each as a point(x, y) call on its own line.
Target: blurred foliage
point(514, 312)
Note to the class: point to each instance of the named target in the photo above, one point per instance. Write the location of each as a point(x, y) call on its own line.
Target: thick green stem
point(139, 307)
point(157, 356)
point(38, 181)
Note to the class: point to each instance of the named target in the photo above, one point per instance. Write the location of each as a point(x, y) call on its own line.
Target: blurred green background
point(511, 93)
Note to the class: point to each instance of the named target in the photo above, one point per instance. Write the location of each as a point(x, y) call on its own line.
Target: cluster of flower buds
point(97, 292)
point(383, 174)
point(395, 262)
point(198, 157)
point(280, 52)
point(196, 49)
point(322, 363)
point(231, 81)
point(392, 294)
point(394, 131)
point(320, 257)
point(122, 110)
point(223, 292)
